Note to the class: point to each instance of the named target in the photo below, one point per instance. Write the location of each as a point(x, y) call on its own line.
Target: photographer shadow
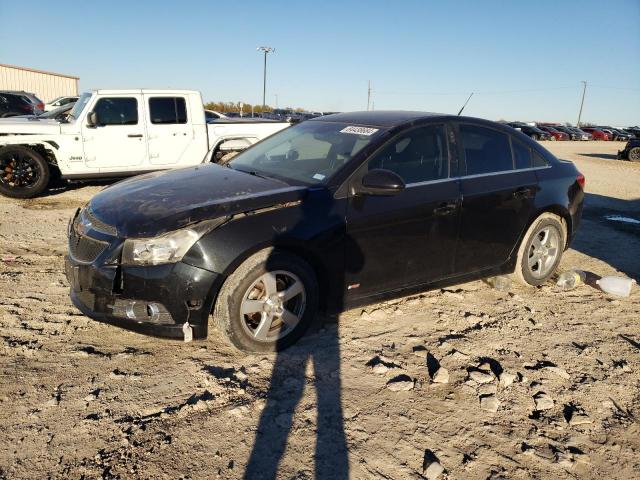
point(318, 350)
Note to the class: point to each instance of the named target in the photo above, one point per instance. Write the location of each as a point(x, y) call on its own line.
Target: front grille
point(98, 224)
point(83, 248)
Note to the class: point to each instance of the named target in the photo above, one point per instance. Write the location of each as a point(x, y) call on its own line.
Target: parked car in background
point(330, 213)
point(635, 131)
point(596, 133)
point(59, 114)
point(572, 135)
point(585, 136)
point(531, 131)
point(555, 134)
point(631, 151)
point(38, 105)
point(60, 102)
point(118, 133)
point(12, 105)
point(617, 135)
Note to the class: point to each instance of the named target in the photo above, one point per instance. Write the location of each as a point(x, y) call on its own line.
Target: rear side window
point(419, 155)
point(521, 154)
point(538, 160)
point(168, 110)
point(486, 150)
point(117, 111)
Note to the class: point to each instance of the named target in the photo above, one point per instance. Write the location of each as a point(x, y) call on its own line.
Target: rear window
point(168, 110)
point(486, 150)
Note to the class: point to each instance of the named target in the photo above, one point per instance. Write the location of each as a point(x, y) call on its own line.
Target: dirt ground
point(529, 383)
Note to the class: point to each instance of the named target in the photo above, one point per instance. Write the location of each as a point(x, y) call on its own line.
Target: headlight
point(167, 248)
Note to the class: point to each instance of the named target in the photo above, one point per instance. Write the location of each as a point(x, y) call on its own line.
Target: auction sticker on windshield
point(359, 130)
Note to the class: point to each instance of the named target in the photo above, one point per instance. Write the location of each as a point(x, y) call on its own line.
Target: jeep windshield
point(309, 153)
point(79, 106)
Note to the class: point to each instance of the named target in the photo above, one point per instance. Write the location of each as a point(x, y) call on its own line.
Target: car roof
point(379, 118)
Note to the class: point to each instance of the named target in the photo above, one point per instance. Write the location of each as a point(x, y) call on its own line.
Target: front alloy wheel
point(634, 154)
point(268, 302)
point(273, 306)
point(23, 172)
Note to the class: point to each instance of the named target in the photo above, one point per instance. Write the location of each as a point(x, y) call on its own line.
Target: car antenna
point(465, 104)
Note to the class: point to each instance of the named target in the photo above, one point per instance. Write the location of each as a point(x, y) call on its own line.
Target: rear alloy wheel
point(534, 136)
point(634, 154)
point(541, 250)
point(268, 302)
point(552, 138)
point(23, 172)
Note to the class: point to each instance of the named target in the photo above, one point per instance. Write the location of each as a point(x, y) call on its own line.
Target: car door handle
point(136, 135)
point(445, 208)
point(523, 193)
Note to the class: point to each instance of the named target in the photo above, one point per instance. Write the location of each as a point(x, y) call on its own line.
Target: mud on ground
point(464, 382)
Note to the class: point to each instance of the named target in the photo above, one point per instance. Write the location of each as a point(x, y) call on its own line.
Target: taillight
point(581, 180)
point(41, 106)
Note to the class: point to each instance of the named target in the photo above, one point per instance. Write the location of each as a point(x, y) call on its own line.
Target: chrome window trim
point(477, 175)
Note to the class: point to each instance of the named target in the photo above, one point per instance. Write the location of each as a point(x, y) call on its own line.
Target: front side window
point(117, 111)
point(486, 150)
point(310, 152)
point(419, 155)
point(167, 110)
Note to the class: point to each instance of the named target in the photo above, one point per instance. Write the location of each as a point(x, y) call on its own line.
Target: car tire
point(552, 138)
point(534, 136)
point(247, 289)
point(634, 154)
point(34, 171)
point(533, 267)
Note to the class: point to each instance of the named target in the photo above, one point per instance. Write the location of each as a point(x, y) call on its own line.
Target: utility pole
point(369, 96)
point(266, 51)
point(584, 90)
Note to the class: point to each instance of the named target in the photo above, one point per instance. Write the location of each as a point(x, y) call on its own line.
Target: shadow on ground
point(603, 235)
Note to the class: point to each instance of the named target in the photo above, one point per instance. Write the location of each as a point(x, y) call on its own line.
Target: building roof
point(38, 71)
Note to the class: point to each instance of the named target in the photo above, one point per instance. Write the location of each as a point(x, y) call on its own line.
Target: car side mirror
point(92, 120)
point(381, 182)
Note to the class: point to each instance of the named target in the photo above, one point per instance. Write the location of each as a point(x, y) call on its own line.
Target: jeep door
point(117, 142)
point(172, 139)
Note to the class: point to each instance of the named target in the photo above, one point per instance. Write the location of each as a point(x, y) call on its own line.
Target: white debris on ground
point(461, 382)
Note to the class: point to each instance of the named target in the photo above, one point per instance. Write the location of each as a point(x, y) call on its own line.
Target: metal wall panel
point(46, 85)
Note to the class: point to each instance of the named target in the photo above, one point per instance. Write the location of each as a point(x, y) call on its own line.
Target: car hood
point(159, 202)
point(29, 126)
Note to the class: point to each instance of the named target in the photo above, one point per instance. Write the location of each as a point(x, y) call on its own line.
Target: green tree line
point(235, 107)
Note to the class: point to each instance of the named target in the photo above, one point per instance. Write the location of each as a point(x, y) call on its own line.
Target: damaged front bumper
point(155, 300)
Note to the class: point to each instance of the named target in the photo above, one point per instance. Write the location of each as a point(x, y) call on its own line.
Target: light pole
point(266, 50)
point(584, 90)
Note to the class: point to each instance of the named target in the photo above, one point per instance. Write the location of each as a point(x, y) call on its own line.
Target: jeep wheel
point(634, 154)
point(23, 172)
point(268, 302)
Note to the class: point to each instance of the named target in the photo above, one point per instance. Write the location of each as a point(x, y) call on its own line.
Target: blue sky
point(525, 60)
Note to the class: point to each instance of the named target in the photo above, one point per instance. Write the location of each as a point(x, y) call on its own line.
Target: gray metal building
point(46, 85)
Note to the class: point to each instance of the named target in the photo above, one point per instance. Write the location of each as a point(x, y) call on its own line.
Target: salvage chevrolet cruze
point(333, 212)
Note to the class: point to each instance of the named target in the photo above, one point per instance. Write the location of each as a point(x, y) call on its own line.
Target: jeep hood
point(29, 126)
point(159, 202)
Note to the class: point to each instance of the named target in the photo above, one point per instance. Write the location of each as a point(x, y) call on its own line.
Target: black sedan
point(333, 212)
point(531, 131)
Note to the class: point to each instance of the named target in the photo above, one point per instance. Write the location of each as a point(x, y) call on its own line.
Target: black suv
point(12, 105)
point(335, 211)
